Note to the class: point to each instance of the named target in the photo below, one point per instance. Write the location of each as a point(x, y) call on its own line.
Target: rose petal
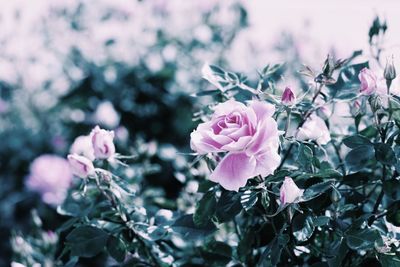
point(262, 109)
point(233, 171)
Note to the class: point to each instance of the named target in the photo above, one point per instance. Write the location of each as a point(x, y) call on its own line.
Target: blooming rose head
point(51, 177)
point(102, 141)
point(83, 146)
point(314, 129)
point(289, 192)
point(288, 97)
point(248, 135)
point(80, 166)
point(368, 81)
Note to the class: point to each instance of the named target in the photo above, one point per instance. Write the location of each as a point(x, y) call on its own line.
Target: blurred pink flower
point(368, 82)
point(81, 166)
point(102, 141)
point(51, 177)
point(314, 129)
point(288, 97)
point(250, 136)
point(106, 115)
point(289, 192)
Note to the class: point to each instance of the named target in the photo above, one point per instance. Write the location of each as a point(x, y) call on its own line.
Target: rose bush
point(277, 178)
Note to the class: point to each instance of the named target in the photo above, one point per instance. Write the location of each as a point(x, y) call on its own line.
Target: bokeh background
point(134, 67)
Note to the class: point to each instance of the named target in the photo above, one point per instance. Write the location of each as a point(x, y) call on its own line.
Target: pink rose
point(314, 129)
point(51, 177)
point(248, 134)
point(83, 146)
point(102, 141)
point(288, 97)
point(81, 166)
point(289, 192)
point(368, 82)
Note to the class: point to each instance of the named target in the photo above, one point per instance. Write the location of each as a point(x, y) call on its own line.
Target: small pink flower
point(51, 177)
point(81, 166)
point(314, 129)
point(289, 192)
point(249, 137)
point(102, 141)
point(368, 82)
point(288, 97)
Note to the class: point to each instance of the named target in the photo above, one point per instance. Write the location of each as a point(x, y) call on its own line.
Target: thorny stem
point(135, 234)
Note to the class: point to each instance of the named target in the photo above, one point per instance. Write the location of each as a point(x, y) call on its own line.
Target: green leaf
point(208, 92)
point(116, 248)
point(228, 206)
point(359, 157)
point(303, 227)
point(347, 84)
point(328, 173)
point(389, 260)
point(189, 230)
point(385, 154)
point(277, 245)
point(356, 141)
point(245, 244)
point(205, 186)
point(205, 209)
point(316, 190)
point(217, 253)
point(338, 251)
point(265, 200)
point(393, 215)
point(248, 199)
point(305, 157)
point(86, 241)
point(321, 221)
point(362, 239)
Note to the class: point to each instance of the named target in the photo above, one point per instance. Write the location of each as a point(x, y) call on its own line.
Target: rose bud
point(368, 82)
point(81, 166)
point(288, 97)
point(289, 192)
point(389, 73)
point(102, 141)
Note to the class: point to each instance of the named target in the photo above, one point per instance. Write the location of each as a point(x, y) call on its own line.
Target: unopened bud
point(390, 72)
point(329, 66)
point(288, 97)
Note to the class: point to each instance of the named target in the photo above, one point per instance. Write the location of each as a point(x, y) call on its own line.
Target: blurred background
point(134, 66)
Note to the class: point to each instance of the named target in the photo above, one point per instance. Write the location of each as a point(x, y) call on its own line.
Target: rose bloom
point(314, 129)
point(248, 134)
point(51, 177)
point(368, 82)
point(81, 166)
point(102, 141)
point(83, 146)
point(289, 192)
